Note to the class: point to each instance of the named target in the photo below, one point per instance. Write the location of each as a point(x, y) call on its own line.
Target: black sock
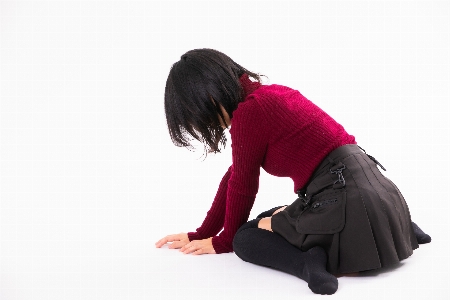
point(422, 237)
point(265, 248)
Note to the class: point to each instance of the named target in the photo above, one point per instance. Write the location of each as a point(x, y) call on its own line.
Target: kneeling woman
point(347, 218)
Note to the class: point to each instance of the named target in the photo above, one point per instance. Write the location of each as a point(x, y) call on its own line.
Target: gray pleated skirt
point(351, 210)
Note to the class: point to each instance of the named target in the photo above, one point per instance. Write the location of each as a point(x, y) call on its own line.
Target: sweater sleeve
point(214, 220)
point(249, 136)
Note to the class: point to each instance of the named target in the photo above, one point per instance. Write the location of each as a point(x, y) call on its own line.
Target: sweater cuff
point(221, 246)
point(194, 236)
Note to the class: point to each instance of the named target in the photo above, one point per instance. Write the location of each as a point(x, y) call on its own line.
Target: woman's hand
point(181, 240)
point(199, 247)
point(178, 241)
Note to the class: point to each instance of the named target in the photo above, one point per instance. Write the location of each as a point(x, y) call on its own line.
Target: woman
point(343, 199)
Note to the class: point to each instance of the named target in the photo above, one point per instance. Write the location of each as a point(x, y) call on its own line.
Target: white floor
point(425, 275)
point(135, 269)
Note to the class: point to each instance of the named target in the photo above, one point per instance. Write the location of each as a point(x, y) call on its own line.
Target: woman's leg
point(265, 248)
point(269, 212)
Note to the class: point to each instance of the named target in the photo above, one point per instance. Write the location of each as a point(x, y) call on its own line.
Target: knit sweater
point(275, 128)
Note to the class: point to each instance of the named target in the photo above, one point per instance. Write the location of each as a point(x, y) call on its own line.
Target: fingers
point(162, 242)
point(198, 252)
point(190, 248)
point(181, 241)
point(198, 247)
point(179, 244)
point(169, 238)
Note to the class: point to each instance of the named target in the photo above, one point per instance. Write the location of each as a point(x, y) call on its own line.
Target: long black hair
point(197, 83)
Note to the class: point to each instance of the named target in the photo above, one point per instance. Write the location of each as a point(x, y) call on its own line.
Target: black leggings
point(264, 248)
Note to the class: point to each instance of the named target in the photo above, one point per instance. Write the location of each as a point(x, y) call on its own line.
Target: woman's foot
point(256, 244)
point(315, 273)
point(422, 237)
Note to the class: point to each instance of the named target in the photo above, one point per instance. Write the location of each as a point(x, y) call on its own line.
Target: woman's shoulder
point(259, 102)
point(273, 97)
point(266, 93)
point(256, 105)
point(274, 89)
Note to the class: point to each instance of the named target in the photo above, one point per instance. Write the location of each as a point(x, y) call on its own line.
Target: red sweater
point(276, 128)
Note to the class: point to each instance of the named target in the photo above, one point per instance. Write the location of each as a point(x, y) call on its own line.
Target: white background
point(89, 178)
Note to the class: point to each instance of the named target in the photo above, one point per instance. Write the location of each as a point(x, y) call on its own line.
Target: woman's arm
point(199, 242)
point(249, 134)
point(238, 188)
point(215, 217)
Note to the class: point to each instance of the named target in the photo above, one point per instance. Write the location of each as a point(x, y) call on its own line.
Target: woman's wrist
point(194, 236)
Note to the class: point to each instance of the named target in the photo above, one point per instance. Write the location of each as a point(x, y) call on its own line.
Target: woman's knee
point(242, 238)
point(250, 224)
point(240, 244)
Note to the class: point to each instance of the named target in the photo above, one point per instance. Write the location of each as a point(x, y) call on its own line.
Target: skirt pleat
point(377, 230)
